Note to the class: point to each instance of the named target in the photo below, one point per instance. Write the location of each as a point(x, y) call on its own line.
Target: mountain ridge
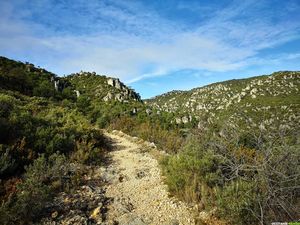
point(219, 101)
point(233, 96)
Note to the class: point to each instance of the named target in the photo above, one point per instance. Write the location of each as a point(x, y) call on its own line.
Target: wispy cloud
point(135, 42)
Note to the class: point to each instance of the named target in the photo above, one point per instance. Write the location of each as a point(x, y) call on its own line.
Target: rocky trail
point(134, 185)
point(127, 191)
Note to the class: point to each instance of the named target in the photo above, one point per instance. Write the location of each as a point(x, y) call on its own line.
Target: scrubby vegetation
point(274, 98)
point(233, 147)
point(248, 177)
point(242, 161)
point(31, 81)
point(167, 139)
point(44, 135)
point(39, 141)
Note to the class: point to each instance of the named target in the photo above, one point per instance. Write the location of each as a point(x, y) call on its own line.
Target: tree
point(44, 89)
point(83, 103)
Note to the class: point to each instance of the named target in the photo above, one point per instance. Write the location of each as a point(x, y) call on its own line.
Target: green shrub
point(7, 163)
point(61, 143)
point(40, 183)
point(90, 148)
point(237, 202)
point(68, 93)
point(102, 121)
point(44, 89)
point(6, 105)
point(169, 140)
point(247, 185)
point(83, 103)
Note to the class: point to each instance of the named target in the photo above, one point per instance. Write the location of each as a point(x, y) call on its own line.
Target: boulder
point(108, 97)
point(111, 82)
point(77, 93)
point(119, 97)
point(148, 111)
point(185, 119)
point(118, 84)
point(134, 111)
point(56, 84)
point(96, 215)
point(178, 120)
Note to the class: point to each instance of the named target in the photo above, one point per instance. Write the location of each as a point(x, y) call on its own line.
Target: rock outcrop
point(102, 87)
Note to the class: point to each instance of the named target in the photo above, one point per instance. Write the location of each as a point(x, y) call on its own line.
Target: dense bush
point(7, 162)
point(44, 89)
point(90, 148)
point(39, 138)
point(41, 181)
point(169, 140)
point(83, 103)
point(246, 185)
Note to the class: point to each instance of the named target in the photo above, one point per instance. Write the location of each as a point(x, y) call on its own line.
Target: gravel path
point(135, 188)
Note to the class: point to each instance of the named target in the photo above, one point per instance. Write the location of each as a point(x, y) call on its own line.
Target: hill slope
point(102, 87)
point(48, 137)
point(29, 80)
point(259, 100)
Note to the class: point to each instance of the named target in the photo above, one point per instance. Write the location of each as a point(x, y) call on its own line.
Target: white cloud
point(134, 43)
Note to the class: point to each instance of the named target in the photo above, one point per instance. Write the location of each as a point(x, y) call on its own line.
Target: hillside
point(102, 87)
point(240, 160)
point(30, 80)
point(259, 101)
point(49, 134)
point(26, 78)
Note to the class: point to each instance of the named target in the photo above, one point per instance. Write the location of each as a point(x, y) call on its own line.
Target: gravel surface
point(127, 191)
point(135, 188)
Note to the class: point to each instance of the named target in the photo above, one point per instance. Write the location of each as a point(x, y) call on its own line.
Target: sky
point(154, 46)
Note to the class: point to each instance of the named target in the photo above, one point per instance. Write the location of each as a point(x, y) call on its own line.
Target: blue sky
point(154, 46)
